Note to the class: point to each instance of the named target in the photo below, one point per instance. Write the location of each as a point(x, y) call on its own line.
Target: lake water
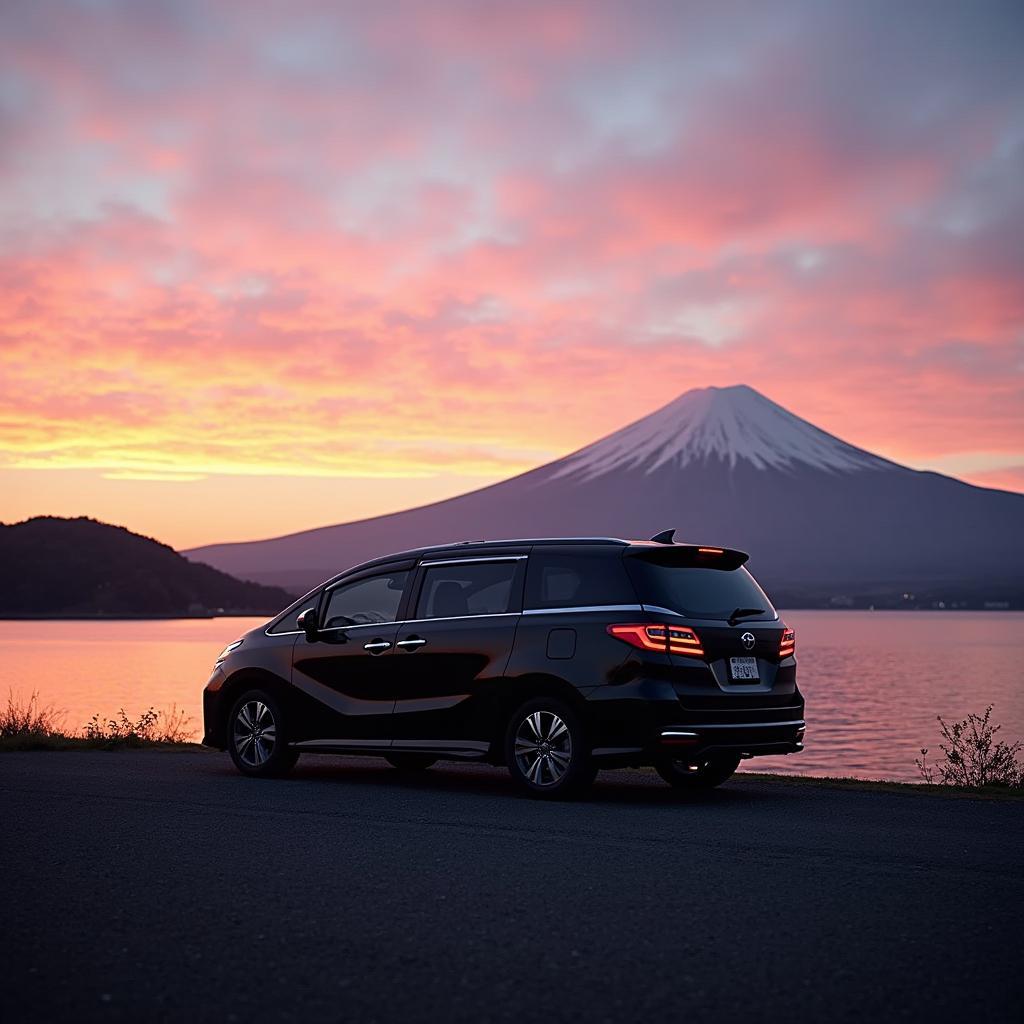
point(874, 681)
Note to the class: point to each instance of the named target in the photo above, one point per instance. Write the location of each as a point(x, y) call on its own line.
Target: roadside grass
point(30, 725)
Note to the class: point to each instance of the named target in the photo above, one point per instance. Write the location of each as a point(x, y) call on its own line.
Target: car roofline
point(515, 542)
point(415, 554)
point(476, 545)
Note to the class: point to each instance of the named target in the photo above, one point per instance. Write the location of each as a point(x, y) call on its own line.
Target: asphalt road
point(163, 886)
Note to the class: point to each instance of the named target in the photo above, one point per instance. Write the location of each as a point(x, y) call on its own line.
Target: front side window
point(473, 588)
point(567, 580)
point(289, 623)
point(372, 599)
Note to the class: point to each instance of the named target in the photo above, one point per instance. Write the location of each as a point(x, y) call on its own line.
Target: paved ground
point(163, 886)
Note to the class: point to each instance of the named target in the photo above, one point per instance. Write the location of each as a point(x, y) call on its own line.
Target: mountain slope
point(723, 466)
point(79, 567)
point(734, 425)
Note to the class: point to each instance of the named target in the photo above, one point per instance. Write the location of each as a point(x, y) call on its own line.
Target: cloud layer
point(406, 239)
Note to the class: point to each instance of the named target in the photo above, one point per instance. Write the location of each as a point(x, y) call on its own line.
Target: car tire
point(411, 762)
point(546, 750)
point(702, 773)
point(257, 736)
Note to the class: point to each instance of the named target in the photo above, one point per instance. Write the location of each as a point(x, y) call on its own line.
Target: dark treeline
point(80, 567)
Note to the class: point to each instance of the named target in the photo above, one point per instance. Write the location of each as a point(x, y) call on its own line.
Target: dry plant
point(30, 725)
point(973, 755)
point(29, 719)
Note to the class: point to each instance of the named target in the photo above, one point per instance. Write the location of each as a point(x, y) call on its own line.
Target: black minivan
point(554, 657)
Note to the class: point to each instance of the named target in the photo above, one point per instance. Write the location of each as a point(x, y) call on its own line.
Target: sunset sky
point(268, 266)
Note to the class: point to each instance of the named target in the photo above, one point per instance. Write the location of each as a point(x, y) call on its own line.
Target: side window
point(473, 588)
point(289, 623)
point(564, 580)
point(372, 599)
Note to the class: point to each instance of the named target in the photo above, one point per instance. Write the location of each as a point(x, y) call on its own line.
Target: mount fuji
point(823, 520)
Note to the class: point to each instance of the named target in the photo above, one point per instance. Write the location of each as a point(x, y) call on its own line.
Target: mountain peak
point(729, 424)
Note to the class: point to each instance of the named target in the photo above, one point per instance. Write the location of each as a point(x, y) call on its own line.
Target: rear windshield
point(699, 593)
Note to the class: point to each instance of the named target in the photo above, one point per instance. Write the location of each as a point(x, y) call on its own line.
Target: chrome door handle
point(379, 645)
point(410, 643)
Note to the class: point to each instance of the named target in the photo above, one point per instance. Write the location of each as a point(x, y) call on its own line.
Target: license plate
point(743, 668)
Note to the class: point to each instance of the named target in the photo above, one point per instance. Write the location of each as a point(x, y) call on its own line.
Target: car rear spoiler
point(670, 553)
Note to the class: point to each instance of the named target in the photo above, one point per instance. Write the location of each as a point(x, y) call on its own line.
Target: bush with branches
point(973, 756)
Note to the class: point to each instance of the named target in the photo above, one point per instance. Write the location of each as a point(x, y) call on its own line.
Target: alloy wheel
point(543, 748)
point(255, 733)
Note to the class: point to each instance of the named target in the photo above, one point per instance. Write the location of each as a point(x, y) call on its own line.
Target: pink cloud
point(465, 241)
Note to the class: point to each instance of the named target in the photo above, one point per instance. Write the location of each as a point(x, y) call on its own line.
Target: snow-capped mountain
point(731, 424)
point(723, 466)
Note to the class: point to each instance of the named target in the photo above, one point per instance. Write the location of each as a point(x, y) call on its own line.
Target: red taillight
point(787, 645)
point(659, 637)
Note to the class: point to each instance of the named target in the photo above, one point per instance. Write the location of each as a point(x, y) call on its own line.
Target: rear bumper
point(748, 739)
point(646, 720)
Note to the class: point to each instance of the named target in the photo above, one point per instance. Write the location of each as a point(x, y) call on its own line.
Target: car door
point(453, 649)
point(349, 669)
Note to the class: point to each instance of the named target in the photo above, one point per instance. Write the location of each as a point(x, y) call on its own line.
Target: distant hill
point(80, 567)
point(826, 523)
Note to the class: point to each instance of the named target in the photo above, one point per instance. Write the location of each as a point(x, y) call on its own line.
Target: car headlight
point(227, 650)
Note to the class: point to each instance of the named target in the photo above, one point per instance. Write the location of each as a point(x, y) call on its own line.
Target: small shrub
point(973, 756)
point(150, 727)
point(29, 720)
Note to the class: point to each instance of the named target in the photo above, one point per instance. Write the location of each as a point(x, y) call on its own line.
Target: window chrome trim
point(656, 609)
point(585, 608)
point(457, 618)
point(406, 622)
point(470, 559)
point(360, 625)
point(287, 632)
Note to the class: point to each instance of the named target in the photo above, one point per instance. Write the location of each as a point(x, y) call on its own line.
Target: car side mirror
point(307, 623)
